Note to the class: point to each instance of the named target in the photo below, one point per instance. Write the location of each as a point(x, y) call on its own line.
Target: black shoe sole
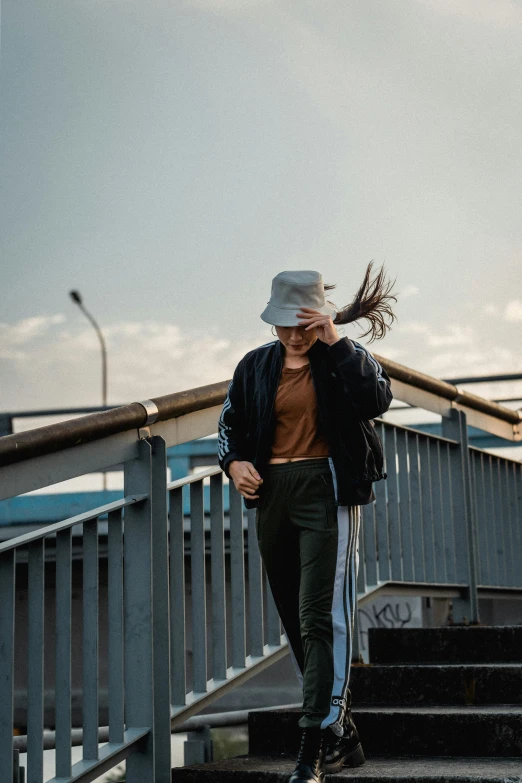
point(355, 758)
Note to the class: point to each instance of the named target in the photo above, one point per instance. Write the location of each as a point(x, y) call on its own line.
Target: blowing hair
point(371, 302)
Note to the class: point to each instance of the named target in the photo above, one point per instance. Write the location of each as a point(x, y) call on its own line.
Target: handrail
point(448, 391)
point(84, 429)
point(74, 432)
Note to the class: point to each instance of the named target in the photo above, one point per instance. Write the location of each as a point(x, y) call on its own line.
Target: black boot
point(346, 750)
point(309, 766)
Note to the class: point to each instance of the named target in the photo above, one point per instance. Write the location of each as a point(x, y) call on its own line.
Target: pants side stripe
point(340, 616)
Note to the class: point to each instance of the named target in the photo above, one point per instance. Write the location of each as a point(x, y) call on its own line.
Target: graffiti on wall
point(388, 612)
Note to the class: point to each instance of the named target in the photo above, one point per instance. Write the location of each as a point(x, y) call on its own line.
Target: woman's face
point(296, 340)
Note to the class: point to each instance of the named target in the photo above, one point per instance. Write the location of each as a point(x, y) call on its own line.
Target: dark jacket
point(351, 388)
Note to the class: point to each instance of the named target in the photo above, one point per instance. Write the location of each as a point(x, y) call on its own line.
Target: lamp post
point(77, 299)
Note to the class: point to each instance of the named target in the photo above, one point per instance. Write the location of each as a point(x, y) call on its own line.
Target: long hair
point(370, 302)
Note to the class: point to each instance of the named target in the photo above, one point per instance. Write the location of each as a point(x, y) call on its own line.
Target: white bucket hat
point(290, 292)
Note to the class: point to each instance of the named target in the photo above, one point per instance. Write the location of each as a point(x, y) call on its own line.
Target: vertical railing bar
point(419, 568)
point(178, 678)
point(237, 577)
point(63, 653)
point(368, 526)
point(381, 515)
point(393, 504)
point(438, 517)
point(405, 506)
point(7, 633)
point(255, 587)
point(427, 512)
point(515, 516)
point(115, 625)
point(506, 532)
point(493, 552)
point(474, 502)
point(506, 493)
point(90, 640)
point(455, 427)
point(517, 494)
point(35, 659)
point(217, 559)
point(473, 505)
point(18, 771)
point(500, 527)
point(137, 612)
point(486, 519)
point(477, 465)
point(197, 559)
point(461, 557)
point(447, 514)
point(160, 613)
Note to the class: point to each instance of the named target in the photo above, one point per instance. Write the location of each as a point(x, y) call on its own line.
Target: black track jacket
point(351, 388)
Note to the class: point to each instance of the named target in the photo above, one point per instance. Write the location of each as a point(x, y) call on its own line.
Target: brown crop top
point(297, 431)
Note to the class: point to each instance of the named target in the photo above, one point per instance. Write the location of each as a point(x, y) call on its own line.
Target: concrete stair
point(434, 705)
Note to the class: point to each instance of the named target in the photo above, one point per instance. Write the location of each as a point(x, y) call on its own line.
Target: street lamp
point(77, 299)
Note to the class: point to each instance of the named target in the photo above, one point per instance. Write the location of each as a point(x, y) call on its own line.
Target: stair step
point(451, 644)
point(412, 731)
point(425, 684)
point(276, 769)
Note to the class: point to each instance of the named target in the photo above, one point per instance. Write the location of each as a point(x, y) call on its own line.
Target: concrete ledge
point(265, 769)
point(450, 644)
point(440, 684)
point(420, 731)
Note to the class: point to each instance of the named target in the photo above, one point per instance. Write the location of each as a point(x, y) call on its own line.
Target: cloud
point(49, 362)
point(14, 336)
point(28, 328)
point(490, 309)
point(145, 359)
point(450, 363)
point(513, 311)
point(457, 335)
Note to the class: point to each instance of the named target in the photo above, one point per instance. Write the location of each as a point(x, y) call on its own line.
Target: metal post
point(137, 590)
point(7, 627)
point(455, 427)
point(198, 747)
point(160, 613)
point(6, 424)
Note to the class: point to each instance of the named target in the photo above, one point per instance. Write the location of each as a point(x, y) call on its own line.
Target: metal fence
point(149, 614)
point(446, 521)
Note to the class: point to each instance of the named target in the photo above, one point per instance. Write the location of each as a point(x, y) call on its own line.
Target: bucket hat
point(290, 292)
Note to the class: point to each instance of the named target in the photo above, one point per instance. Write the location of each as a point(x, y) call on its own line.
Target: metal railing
point(446, 522)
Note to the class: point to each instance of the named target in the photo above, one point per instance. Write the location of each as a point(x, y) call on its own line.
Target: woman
point(296, 438)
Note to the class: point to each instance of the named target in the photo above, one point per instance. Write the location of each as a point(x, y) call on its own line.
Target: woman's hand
point(245, 477)
point(323, 324)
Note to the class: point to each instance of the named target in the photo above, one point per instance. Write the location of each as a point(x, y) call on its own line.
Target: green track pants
point(309, 546)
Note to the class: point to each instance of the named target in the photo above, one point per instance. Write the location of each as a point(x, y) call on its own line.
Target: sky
point(169, 159)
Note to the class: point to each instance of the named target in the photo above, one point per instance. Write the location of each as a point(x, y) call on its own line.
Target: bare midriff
point(297, 418)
